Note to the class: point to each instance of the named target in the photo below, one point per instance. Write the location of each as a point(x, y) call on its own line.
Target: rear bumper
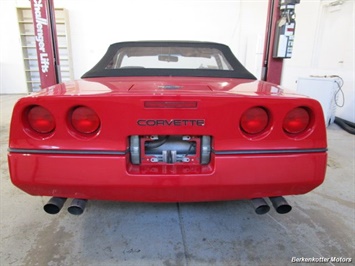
point(112, 177)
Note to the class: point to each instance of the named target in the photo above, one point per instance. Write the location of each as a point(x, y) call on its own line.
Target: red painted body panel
point(120, 103)
point(112, 178)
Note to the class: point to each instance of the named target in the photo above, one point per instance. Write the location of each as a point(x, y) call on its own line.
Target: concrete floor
point(321, 224)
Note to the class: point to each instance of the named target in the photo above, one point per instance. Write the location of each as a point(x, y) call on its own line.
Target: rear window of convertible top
point(173, 57)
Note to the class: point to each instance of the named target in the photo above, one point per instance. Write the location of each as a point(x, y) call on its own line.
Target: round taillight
point(40, 120)
point(254, 120)
point(85, 120)
point(296, 121)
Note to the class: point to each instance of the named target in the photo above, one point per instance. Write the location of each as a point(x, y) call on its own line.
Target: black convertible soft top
point(101, 69)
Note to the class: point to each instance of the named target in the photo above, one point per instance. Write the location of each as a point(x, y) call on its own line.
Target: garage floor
point(321, 224)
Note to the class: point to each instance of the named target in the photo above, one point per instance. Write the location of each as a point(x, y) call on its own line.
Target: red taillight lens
point(254, 120)
point(296, 121)
point(85, 120)
point(40, 120)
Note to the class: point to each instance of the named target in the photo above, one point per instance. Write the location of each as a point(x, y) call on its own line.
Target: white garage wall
point(96, 24)
point(149, 20)
point(12, 75)
point(323, 45)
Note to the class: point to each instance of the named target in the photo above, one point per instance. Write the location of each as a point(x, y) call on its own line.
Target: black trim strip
point(282, 151)
point(71, 152)
point(228, 152)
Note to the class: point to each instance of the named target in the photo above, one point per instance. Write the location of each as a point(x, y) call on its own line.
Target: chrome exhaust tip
point(54, 205)
point(281, 205)
point(260, 206)
point(77, 206)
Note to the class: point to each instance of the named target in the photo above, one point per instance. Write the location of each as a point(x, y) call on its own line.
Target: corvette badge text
point(172, 122)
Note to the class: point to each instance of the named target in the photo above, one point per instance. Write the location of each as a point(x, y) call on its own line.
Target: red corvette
point(167, 122)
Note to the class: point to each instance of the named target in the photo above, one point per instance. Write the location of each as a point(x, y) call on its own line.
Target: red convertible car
point(167, 122)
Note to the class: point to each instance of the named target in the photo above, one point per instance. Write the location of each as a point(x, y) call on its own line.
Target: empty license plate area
point(170, 149)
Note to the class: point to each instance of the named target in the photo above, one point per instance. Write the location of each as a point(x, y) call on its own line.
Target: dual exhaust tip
point(55, 204)
point(77, 206)
point(280, 204)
